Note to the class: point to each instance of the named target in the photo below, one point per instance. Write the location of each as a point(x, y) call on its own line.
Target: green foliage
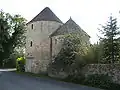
point(94, 54)
point(97, 80)
point(20, 64)
point(70, 58)
point(101, 81)
point(75, 43)
point(110, 41)
point(10, 62)
point(12, 29)
point(78, 79)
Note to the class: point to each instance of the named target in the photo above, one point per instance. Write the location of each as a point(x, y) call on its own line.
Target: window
point(55, 41)
point(31, 44)
point(32, 26)
point(27, 54)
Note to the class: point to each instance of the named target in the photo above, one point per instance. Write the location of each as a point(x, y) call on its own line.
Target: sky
point(88, 14)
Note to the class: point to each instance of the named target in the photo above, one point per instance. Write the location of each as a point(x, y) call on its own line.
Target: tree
point(110, 41)
point(12, 29)
point(70, 58)
point(94, 54)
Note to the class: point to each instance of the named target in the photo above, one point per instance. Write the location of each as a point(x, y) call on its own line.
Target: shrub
point(70, 58)
point(99, 80)
point(75, 79)
point(10, 63)
point(20, 64)
point(96, 80)
point(94, 54)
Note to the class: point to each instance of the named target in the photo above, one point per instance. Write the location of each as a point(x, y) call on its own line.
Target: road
point(13, 81)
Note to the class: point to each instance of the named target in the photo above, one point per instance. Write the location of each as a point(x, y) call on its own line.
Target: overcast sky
point(88, 14)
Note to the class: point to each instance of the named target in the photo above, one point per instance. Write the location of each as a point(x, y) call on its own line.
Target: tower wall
point(38, 45)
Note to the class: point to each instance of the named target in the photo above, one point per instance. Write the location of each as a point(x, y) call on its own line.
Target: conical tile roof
point(46, 15)
point(69, 27)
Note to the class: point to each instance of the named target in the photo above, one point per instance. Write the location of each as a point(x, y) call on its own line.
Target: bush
point(114, 86)
point(20, 64)
point(75, 79)
point(96, 80)
point(10, 63)
point(94, 54)
point(99, 81)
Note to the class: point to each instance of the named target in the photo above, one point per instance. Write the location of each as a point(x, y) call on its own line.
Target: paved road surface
point(13, 81)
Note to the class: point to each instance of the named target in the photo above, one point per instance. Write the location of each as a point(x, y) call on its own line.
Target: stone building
point(42, 41)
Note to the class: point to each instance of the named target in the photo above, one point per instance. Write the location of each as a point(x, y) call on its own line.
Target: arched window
point(31, 44)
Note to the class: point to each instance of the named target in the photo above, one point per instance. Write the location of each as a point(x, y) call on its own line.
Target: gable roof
point(69, 27)
point(46, 15)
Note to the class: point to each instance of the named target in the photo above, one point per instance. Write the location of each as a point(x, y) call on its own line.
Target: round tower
point(37, 40)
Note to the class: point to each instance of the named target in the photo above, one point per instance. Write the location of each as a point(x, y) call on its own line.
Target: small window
point(32, 26)
point(27, 54)
point(55, 41)
point(31, 44)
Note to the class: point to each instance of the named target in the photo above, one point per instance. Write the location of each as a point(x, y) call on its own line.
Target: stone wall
point(90, 69)
point(111, 70)
point(56, 45)
point(39, 66)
